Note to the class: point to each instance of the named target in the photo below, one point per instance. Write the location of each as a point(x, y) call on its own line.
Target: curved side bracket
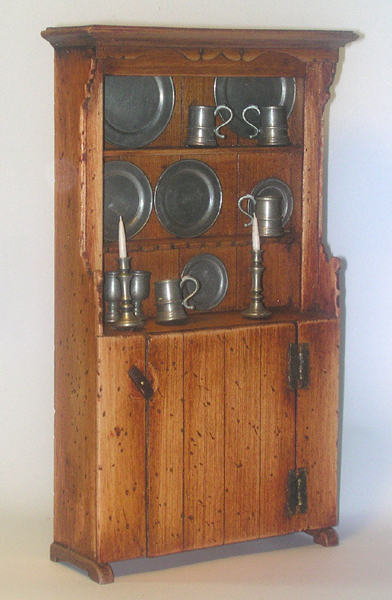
point(325, 537)
point(99, 572)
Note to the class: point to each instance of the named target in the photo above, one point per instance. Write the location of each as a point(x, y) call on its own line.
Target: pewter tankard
point(273, 125)
point(202, 130)
point(170, 301)
point(268, 211)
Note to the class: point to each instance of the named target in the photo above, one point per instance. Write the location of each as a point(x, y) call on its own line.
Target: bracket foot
point(99, 572)
point(325, 537)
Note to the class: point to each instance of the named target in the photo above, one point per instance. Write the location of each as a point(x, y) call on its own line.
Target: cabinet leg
point(325, 537)
point(100, 573)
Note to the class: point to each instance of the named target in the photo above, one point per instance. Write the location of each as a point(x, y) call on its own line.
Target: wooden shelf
point(220, 320)
point(146, 245)
point(124, 153)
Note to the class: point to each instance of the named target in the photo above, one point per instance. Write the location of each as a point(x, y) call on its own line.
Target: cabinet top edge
point(95, 36)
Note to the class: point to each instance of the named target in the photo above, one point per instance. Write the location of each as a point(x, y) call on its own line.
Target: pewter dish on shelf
point(276, 187)
point(127, 193)
point(240, 92)
point(212, 275)
point(188, 198)
point(137, 109)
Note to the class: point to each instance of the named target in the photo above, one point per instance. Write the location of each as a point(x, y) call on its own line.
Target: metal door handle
point(141, 382)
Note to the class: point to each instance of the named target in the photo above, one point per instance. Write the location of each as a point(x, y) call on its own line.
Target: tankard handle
point(250, 199)
point(218, 108)
point(256, 129)
point(197, 288)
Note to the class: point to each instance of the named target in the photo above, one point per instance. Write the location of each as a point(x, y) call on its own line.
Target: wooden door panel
point(121, 451)
point(204, 439)
point(242, 433)
point(165, 442)
point(277, 430)
point(317, 423)
point(221, 437)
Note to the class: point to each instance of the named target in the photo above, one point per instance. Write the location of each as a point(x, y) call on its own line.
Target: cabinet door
point(260, 431)
point(165, 440)
point(317, 423)
point(121, 479)
point(221, 437)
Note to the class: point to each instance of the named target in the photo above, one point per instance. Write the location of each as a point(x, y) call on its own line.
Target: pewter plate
point(137, 109)
point(276, 187)
point(240, 92)
point(127, 193)
point(212, 275)
point(188, 198)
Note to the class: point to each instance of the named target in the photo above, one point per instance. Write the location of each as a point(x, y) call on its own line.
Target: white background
point(357, 229)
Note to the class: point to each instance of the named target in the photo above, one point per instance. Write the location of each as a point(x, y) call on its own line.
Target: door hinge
point(297, 496)
point(298, 366)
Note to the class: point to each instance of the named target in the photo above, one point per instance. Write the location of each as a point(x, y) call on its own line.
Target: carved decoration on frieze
point(207, 54)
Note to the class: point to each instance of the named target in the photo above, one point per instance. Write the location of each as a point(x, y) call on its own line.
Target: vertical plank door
point(204, 354)
point(221, 437)
point(121, 451)
point(259, 431)
point(242, 433)
point(165, 368)
point(278, 425)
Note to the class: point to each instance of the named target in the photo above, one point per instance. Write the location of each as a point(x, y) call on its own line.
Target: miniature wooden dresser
point(239, 439)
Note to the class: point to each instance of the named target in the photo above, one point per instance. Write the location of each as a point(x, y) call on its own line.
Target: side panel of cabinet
point(317, 423)
point(76, 321)
point(121, 503)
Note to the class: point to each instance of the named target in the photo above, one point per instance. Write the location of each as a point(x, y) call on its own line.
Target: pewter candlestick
point(256, 309)
point(127, 318)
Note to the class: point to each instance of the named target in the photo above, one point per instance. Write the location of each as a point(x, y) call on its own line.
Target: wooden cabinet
point(239, 439)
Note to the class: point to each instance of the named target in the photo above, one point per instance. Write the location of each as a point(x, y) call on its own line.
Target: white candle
point(255, 234)
point(122, 241)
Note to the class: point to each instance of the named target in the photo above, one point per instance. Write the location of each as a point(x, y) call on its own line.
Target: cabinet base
point(100, 573)
point(325, 537)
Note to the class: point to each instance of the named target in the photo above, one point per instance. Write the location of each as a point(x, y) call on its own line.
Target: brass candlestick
point(127, 318)
point(256, 309)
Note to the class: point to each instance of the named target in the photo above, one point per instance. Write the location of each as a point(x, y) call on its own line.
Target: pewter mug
point(112, 295)
point(170, 301)
point(273, 125)
point(202, 130)
point(140, 290)
point(268, 211)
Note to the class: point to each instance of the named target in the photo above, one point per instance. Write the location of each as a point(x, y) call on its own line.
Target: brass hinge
point(297, 496)
point(298, 366)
